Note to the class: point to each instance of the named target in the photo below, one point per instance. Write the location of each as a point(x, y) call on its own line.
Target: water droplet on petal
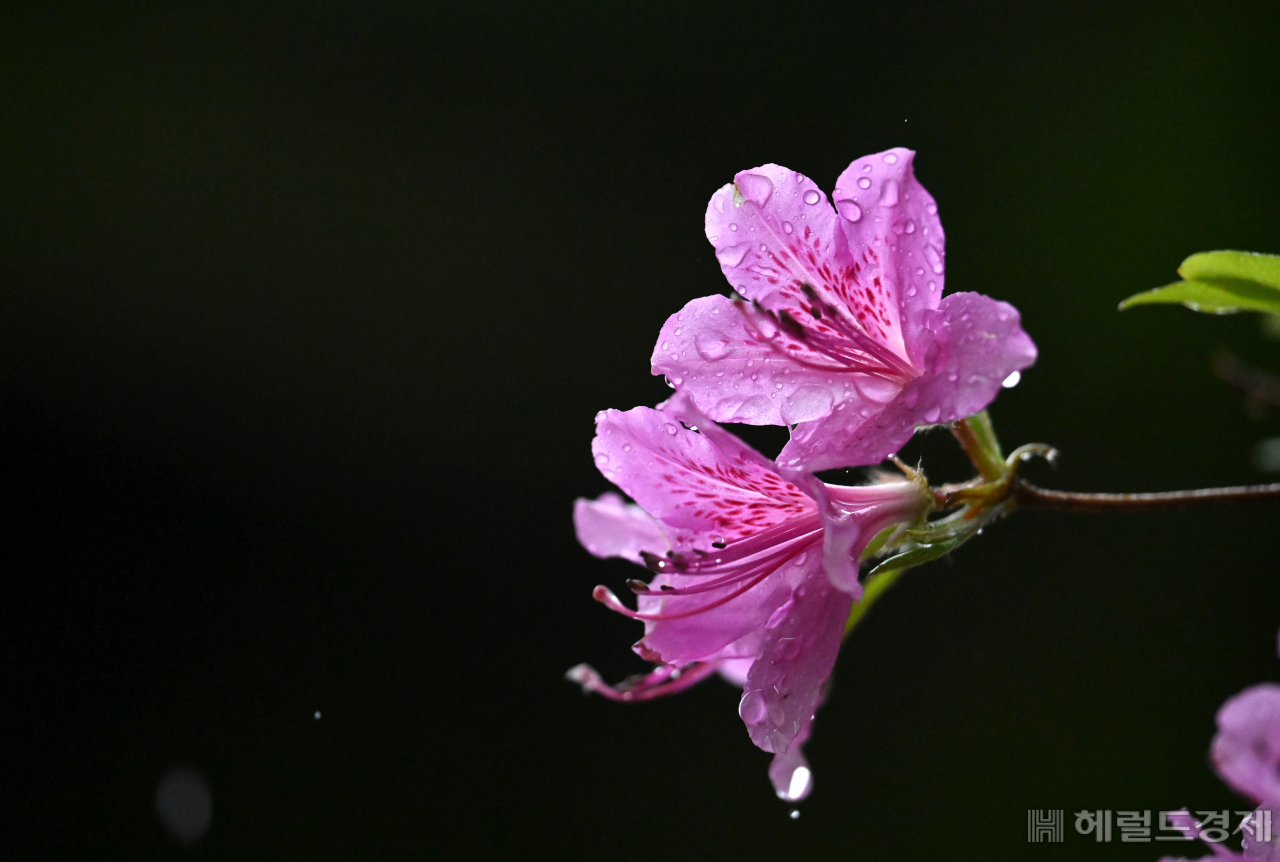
point(866, 169)
point(799, 784)
point(626, 447)
point(710, 346)
point(933, 285)
point(733, 226)
point(786, 227)
point(934, 258)
point(751, 707)
point(1012, 380)
point(890, 158)
point(864, 182)
point(849, 209)
point(889, 193)
point(755, 188)
point(670, 429)
point(932, 414)
point(732, 255)
point(811, 197)
point(911, 291)
point(931, 208)
point(910, 227)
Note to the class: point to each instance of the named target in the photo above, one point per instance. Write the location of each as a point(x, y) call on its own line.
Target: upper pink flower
point(844, 333)
point(755, 573)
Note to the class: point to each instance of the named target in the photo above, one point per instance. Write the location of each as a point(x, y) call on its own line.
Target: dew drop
point(910, 226)
point(931, 208)
point(890, 158)
point(670, 429)
point(919, 270)
point(911, 291)
point(932, 414)
point(934, 258)
point(786, 227)
point(933, 285)
point(811, 197)
point(1012, 380)
point(864, 182)
point(799, 784)
point(751, 707)
point(755, 188)
point(709, 346)
point(866, 169)
point(733, 226)
point(889, 193)
point(732, 255)
point(849, 209)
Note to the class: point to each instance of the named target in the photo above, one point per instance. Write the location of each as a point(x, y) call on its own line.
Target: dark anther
point(653, 561)
point(666, 587)
point(788, 323)
point(718, 545)
point(637, 586)
point(807, 290)
point(815, 311)
point(688, 427)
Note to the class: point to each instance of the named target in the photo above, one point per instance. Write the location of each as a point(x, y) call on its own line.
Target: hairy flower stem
point(1033, 497)
point(977, 438)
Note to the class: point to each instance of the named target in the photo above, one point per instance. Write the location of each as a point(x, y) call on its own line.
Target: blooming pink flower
point(844, 333)
point(755, 571)
point(1246, 753)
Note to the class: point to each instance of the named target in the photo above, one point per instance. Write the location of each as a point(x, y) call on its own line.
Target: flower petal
point(884, 208)
point(611, 527)
point(975, 342)
point(705, 486)
point(978, 342)
point(773, 245)
point(853, 434)
point(1246, 749)
point(785, 685)
point(701, 636)
point(713, 350)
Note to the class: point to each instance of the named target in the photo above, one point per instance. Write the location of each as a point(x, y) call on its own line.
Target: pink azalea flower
point(1246, 753)
point(755, 571)
point(844, 332)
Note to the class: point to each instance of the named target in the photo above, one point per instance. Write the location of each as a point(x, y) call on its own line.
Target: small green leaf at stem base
point(875, 587)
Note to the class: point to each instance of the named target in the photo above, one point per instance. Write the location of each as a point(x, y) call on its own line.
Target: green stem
point(977, 438)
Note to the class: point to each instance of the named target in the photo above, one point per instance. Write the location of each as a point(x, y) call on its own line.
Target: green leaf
point(1221, 282)
point(918, 555)
point(1244, 265)
point(874, 589)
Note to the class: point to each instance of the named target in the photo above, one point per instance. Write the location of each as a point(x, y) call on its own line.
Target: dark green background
point(307, 308)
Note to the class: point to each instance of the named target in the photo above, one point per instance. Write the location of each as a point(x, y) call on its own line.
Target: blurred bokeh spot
point(184, 804)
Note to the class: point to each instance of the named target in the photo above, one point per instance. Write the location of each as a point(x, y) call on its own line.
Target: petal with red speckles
point(703, 491)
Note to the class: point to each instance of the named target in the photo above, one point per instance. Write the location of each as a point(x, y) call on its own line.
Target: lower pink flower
point(1246, 753)
point(755, 571)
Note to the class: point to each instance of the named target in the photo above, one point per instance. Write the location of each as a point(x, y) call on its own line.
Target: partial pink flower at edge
point(843, 332)
point(754, 574)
